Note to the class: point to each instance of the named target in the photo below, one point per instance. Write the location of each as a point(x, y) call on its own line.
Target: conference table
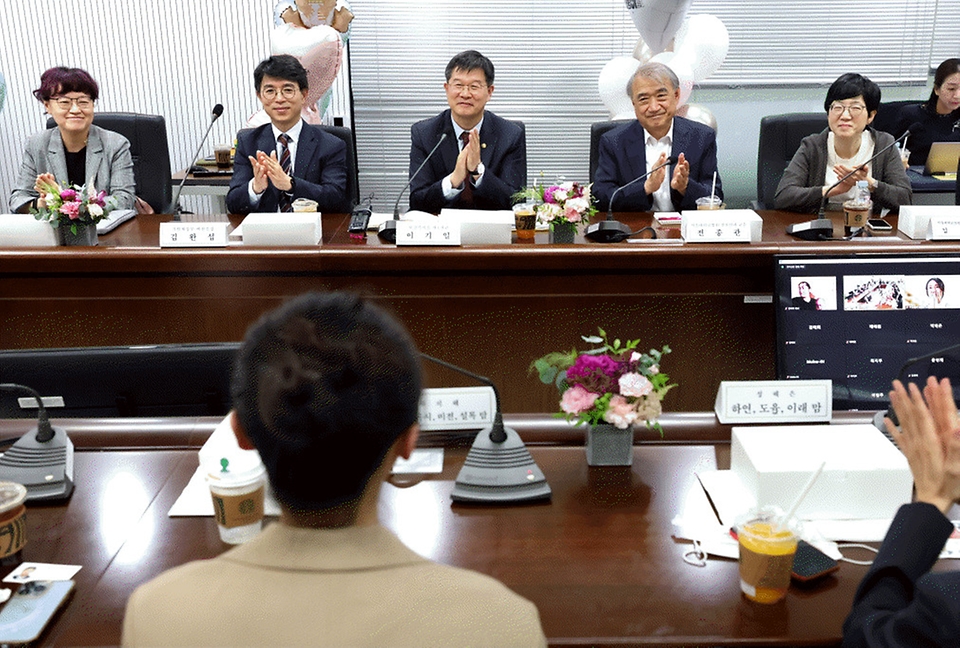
point(598, 559)
point(491, 309)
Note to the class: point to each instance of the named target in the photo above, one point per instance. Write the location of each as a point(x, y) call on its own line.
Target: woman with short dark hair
point(938, 118)
point(75, 152)
point(846, 145)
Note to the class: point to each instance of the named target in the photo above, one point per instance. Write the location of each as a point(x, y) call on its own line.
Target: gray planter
point(608, 445)
point(86, 235)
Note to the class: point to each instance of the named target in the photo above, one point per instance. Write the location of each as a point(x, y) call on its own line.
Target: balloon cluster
point(693, 47)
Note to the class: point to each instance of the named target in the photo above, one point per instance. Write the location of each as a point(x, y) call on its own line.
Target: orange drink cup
point(766, 556)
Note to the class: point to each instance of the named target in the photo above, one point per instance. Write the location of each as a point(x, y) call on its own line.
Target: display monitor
point(858, 319)
point(141, 381)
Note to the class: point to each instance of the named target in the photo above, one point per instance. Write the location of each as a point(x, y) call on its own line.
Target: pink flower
point(71, 209)
point(571, 214)
point(620, 412)
point(67, 195)
point(596, 373)
point(634, 384)
point(577, 399)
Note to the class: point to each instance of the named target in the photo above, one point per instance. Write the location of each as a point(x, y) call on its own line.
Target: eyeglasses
point(287, 92)
point(855, 110)
point(66, 103)
point(473, 88)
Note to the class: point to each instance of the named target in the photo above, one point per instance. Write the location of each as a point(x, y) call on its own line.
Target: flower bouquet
point(73, 205)
point(611, 383)
point(562, 203)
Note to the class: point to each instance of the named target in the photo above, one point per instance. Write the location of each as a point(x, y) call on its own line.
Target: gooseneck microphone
point(613, 231)
point(388, 229)
point(821, 229)
point(175, 203)
point(498, 467)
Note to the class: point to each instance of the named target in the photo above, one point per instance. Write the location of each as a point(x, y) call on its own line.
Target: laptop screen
point(943, 158)
point(858, 319)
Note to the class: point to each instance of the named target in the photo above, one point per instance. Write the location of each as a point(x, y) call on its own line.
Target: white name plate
point(944, 229)
point(721, 226)
point(774, 401)
point(186, 235)
point(456, 408)
point(431, 233)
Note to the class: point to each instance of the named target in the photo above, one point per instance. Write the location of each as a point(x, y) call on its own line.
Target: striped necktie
point(285, 202)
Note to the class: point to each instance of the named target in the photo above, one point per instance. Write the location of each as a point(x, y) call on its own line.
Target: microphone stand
point(388, 229)
point(498, 467)
point(821, 229)
point(613, 231)
point(175, 203)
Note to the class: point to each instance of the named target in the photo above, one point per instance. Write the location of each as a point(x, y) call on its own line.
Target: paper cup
point(237, 487)
point(766, 554)
point(13, 522)
point(221, 153)
point(304, 205)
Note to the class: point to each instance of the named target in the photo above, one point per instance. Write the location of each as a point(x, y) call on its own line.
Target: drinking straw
point(713, 189)
point(803, 494)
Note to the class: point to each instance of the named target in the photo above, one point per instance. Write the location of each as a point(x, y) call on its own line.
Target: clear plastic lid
point(12, 495)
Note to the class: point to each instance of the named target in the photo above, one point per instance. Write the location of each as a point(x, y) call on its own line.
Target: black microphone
point(498, 467)
point(41, 461)
point(821, 228)
point(388, 229)
point(175, 203)
point(613, 231)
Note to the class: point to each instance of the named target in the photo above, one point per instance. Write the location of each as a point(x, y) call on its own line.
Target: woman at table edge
point(938, 118)
point(76, 151)
point(846, 144)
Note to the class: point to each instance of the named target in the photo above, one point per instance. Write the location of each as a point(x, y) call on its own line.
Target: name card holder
point(944, 228)
point(438, 232)
point(721, 226)
point(24, 230)
point(193, 235)
point(456, 408)
point(774, 401)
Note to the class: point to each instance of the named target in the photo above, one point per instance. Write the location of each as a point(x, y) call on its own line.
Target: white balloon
point(612, 86)
point(703, 40)
point(657, 20)
point(641, 51)
point(698, 113)
point(681, 68)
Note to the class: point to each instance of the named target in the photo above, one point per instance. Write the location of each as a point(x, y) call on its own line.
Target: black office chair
point(780, 137)
point(150, 152)
point(958, 183)
point(597, 129)
point(888, 115)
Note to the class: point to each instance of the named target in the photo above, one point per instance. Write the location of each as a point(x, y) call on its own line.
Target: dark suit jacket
point(320, 170)
point(623, 157)
point(899, 603)
point(504, 157)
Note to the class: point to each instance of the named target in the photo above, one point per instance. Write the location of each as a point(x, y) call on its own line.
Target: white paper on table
point(421, 461)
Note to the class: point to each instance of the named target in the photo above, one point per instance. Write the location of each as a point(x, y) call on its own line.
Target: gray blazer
point(801, 187)
point(108, 164)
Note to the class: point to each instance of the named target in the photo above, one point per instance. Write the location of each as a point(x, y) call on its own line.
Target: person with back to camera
point(627, 152)
point(899, 602)
point(938, 118)
point(75, 152)
point(806, 300)
point(846, 144)
point(327, 389)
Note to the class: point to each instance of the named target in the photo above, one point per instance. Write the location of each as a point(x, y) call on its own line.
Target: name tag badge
point(428, 233)
point(774, 401)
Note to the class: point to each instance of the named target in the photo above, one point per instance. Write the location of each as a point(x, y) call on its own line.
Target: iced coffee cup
point(710, 202)
point(525, 217)
point(304, 205)
point(13, 522)
point(222, 154)
point(767, 546)
point(856, 214)
point(237, 487)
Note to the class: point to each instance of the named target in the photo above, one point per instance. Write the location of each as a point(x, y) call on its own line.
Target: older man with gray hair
point(627, 152)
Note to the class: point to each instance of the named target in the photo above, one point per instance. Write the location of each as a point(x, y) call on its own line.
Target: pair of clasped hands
point(468, 161)
point(858, 173)
point(267, 168)
point(681, 174)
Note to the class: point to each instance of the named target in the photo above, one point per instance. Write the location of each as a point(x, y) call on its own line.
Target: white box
point(482, 227)
point(866, 476)
point(282, 229)
point(24, 230)
point(914, 220)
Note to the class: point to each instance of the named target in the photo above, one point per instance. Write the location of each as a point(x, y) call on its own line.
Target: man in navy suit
point(629, 151)
point(483, 160)
point(900, 602)
point(286, 159)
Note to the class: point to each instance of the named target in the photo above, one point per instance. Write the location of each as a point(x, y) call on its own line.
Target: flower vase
point(562, 232)
point(608, 445)
point(86, 235)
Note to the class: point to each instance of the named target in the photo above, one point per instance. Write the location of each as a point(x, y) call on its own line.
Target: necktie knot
point(465, 137)
point(284, 139)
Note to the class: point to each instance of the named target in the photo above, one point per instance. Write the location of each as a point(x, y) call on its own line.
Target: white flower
point(578, 204)
point(649, 409)
point(560, 195)
point(95, 210)
point(50, 198)
point(635, 356)
point(634, 384)
point(653, 370)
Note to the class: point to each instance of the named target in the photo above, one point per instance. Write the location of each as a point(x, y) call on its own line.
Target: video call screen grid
point(857, 319)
